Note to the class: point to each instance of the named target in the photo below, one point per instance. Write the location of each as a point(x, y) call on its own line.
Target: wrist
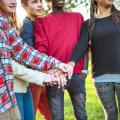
point(47, 79)
point(72, 63)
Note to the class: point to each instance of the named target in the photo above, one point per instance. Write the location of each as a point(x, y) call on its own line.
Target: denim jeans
point(76, 90)
point(25, 105)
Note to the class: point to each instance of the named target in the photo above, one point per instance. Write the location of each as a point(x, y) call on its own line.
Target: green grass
point(93, 106)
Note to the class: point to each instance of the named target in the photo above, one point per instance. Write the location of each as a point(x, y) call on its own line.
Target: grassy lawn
point(93, 106)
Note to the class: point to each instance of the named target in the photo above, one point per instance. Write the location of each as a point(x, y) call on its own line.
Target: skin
point(104, 7)
point(103, 10)
point(8, 6)
point(104, 3)
point(33, 8)
point(57, 6)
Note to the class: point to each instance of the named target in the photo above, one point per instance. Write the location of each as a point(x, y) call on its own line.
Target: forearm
point(26, 54)
point(81, 46)
point(27, 74)
point(78, 52)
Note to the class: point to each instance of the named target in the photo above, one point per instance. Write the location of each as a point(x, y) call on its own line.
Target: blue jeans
point(76, 90)
point(25, 105)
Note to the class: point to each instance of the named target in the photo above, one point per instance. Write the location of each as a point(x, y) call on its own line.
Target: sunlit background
point(78, 8)
point(20, 12)
point(81, 6)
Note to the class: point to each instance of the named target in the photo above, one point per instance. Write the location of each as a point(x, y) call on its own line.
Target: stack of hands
point(58, 77)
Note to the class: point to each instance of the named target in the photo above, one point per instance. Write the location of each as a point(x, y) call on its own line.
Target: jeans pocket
point(53, 91)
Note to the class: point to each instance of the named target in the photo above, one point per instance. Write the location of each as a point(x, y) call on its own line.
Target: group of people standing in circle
point(50, 54)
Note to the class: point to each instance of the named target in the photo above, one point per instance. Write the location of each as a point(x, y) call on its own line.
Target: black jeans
point(76, 90)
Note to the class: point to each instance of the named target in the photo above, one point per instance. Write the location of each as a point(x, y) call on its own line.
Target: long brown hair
point(93, 11)
point(14, 21)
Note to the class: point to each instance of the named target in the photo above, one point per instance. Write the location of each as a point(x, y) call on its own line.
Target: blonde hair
point(93, 10)
point(24, 2)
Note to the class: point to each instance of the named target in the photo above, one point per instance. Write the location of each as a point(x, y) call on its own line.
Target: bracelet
point(85, 71)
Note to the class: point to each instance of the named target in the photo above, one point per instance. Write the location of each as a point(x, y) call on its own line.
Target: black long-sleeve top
point(105, 46)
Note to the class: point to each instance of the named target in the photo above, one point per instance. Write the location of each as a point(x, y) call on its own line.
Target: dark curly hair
point(93, 9)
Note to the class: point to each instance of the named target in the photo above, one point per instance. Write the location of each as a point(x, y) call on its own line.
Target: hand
point(71, 63)
point(53, 71)
point(55, 79)
point(62, 81)
point(50, 78)
point(66, 68)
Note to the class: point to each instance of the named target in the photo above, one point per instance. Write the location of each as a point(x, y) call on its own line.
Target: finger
point(70, 71)
point(61, 81)
point(64, 79)
point(52, 71)
point(52, 78)
point(58, 80)
point(58, 72)
point(63, 67)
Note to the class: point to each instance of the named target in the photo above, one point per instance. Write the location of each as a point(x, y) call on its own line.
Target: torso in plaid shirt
point(12, 46)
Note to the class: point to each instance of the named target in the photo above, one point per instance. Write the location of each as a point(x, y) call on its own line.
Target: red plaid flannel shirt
point(12, 46)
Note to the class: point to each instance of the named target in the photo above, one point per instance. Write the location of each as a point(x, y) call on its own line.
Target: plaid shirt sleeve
point(28, 55)
point(3, 55)
point(7, 97)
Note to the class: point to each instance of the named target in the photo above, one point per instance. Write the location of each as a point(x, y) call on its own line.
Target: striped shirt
point(12, 46)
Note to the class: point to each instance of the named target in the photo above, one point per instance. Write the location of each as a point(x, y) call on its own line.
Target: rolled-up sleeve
point(28, 55)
